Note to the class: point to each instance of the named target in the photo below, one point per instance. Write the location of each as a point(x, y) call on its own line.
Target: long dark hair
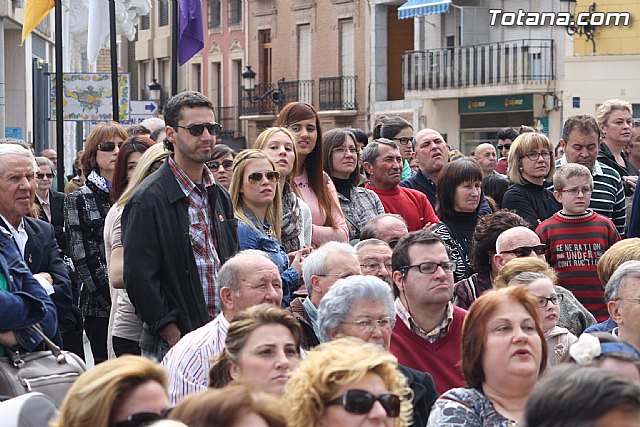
point(297, 111)
point(133, 144)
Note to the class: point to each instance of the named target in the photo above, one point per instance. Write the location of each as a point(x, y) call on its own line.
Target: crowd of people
point(327, 278)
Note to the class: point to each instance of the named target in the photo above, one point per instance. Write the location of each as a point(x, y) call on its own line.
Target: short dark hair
point(400, 255)
point(135, 130)
point(221, 150)
point(494, 186)
point(360, 136)
point(173, 108)
point(507, 133)
point(488, 228)
point(583, 123)
point(453, 174)
point(571, 395)
point(475, 329)
point(370, 152)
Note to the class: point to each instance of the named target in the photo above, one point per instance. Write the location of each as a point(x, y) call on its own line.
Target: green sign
point(495, 104)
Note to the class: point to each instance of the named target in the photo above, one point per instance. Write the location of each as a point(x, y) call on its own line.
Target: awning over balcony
point(414, 8)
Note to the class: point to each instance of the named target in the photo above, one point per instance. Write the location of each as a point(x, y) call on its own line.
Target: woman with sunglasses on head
point(314, 185)
point(84, 213)
point(262, 348)
point(503, 354)
point(257, 205)
point(399, 131)
point(531, 162)
point(130, 391)
point(341, 160)
point(296, 227)
point(125, 327)
point(347, 382)
point(221, 164)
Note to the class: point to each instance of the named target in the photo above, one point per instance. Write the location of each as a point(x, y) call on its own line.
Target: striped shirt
point(188, 362)
point(201, 233)
point(574, 246)
point(607, 198)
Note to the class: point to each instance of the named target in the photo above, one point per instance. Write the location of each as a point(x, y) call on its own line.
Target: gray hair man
point(622, 294)
point(375, 259)
point(320, 270)
point(363, 307)
point(247, 279)
point(387, 227)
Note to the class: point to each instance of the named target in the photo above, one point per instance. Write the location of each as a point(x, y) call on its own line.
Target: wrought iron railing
point(338, 93)
point(511, 62)
point(296, 90)
point(229, 120)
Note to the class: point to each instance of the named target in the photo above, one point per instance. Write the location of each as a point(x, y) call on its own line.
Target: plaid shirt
point(201, 233)
point(363, 206)
point(436, 333)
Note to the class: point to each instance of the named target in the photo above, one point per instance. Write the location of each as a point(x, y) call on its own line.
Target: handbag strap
point(16, 356)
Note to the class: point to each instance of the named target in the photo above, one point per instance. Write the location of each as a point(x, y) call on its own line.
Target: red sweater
point(412, 205)
point(441, 358)
point(574, 246)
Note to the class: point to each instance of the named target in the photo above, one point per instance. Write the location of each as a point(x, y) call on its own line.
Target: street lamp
point(249, 85)
point(154, 91)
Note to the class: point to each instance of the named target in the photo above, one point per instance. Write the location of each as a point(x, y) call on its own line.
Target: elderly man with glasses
point(622, 295)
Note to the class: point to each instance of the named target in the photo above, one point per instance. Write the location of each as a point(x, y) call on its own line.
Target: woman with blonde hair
point(257, 205)
point(237, 404)
point(348, 382)
point(573, 315)
point(614, 117)
point(262, 348)
point(125, 326)
point(280, 145)
point(124, 392)
point(531, 162)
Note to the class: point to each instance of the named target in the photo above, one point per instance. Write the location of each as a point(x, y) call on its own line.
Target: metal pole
point(59, 95)
point(114, 60)
point(174, 48)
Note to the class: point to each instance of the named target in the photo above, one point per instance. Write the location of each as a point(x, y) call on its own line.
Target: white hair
point(17, 150)
point(153, 123)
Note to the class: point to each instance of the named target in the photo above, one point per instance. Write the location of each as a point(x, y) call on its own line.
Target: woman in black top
point(531, 162)
point(457, 208)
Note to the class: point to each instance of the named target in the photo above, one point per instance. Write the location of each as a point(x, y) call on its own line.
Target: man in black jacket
point(177, 230)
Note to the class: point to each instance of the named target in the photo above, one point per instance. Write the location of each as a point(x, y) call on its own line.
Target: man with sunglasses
point(177, 230)
point(517, 242)
point(428, 330)
point(506, 137)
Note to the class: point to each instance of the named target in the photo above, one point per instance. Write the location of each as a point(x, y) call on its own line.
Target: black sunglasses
point(197, 129)
point(361, 402)
point(257, 176)
point(215, 165)
point(524, 251)
point(108, 146)
point(42, 175)
point(507, 146)
point(142, 419)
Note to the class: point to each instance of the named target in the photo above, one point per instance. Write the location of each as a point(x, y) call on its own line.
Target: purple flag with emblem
point(190, 32)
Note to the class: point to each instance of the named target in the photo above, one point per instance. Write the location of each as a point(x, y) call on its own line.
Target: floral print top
point(466, 407)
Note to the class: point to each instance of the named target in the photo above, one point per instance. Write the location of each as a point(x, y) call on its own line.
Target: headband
point(588, 348)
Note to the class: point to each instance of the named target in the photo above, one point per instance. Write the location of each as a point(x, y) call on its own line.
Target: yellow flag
point(34, 12)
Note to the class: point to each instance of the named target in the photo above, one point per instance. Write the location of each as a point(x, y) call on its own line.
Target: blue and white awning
point(414, 8)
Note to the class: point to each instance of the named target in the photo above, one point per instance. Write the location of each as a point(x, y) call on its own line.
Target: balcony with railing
point(267, 99)
point(528, 63)
point(338, 93)
point(228, 119)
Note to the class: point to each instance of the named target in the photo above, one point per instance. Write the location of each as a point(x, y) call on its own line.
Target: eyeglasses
point(375, 266)
point(631, 300)
point(431, 267)
point(368, 325)
point(338, 275)
point(108, 146)
point(215, 165)
point(361, 402)
point(342, 151)
point(501, 146)
point(403, 141)
point(143, 419)
point(257, 176)
point(535, 155)
point(575, 191)
point(197, 129)
point(555, 299)
point(524, 251)
point(43, 175)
